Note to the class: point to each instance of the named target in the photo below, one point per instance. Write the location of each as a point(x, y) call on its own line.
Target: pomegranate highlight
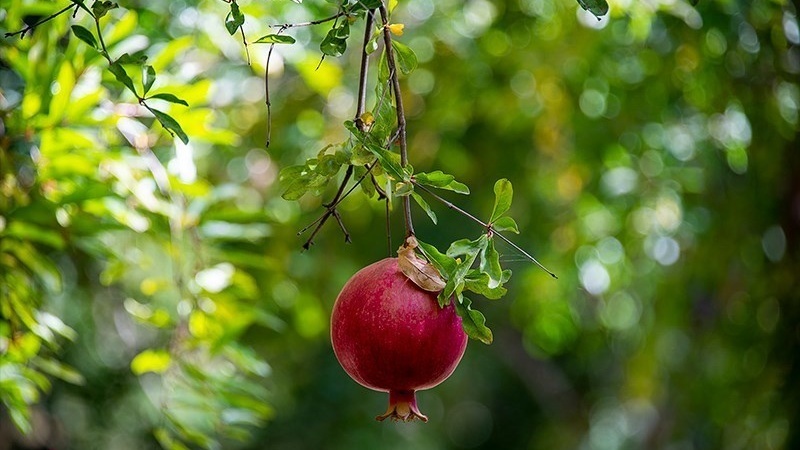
point(390, 335)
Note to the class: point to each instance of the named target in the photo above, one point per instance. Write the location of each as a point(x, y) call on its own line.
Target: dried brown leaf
point(417, 269)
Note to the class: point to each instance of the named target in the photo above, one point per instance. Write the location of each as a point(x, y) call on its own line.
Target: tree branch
point(360, 108)
point(401, 116)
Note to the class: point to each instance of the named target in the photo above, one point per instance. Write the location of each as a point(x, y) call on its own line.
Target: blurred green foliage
point(153, 293)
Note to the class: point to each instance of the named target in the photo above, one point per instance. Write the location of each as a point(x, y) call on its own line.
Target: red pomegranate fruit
point(390, 335)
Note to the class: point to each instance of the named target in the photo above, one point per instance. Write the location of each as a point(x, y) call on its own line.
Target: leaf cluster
point(487, 278)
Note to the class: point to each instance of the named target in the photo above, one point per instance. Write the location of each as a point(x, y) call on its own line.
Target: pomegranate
point(390, 335)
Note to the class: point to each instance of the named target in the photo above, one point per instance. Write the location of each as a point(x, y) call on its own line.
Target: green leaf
point(443, 263)
point(275, 39)
point(478, 282)
point(295, 180)
point(596, 7)
point(470, 251)
point(505, 223)
point(234, 19)
point(84, 35)
point(403, 189)
point(169, 97)
point(101, 8)
point(25, 231)
point(122, 76)
point(372, 44)
point(453, 287)
point(390, 161)
point(405, 57)
point(383, 69)
point(384, 113)
point(54, 368)
point(467, 247)
point(149, 77)
point(165, 440)
point(137, 59)
point(425, 206)
point(343, 30)
point(503, 193)
point(157, 361)
point(364, 5)
point(333, 45)
point(20, 415)
point(170, 124)
point(441, 180)
point(473, 321)
point(490, 264)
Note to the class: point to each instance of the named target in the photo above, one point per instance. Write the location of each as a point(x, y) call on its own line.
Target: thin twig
point(266, 89)
point(46, 19)
point(246, 48)
point(101, 40)
point(360, 108)
point(362, 78)
point(340, 199)
point(485, 225)
point(285, 26)
point(401, 116)
point(330, 211)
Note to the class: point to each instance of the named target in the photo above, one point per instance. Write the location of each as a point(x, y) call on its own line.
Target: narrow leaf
point(122, 76)
point(503, 194)
point(275, 39)
point(59, 370)
point(84, 35)
point(474, 322)
point(444, 298)
point(149, 77)
point(441, 180)
point(390, 161)
point(405, 57)
point(425, 206)
point(170, 98)
point(383, 69)
point(170, 124)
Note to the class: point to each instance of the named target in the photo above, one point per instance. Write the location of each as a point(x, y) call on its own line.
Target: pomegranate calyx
point(402, 406)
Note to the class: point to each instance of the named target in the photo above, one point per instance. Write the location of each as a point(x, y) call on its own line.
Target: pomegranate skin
point(390, 335)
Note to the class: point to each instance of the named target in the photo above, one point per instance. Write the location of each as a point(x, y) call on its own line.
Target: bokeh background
point(154, 294)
